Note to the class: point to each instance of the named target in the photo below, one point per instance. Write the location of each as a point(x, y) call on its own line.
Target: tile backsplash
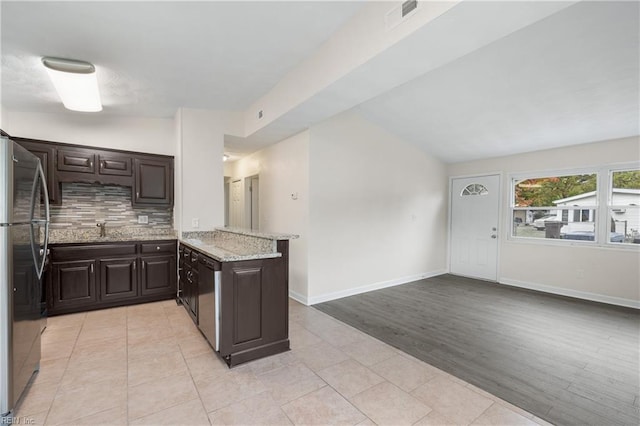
point(85, 204)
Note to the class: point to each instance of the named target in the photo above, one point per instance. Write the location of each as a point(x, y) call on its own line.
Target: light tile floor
point(149, 365)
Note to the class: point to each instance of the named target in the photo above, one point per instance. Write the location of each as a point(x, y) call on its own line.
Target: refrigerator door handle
point(35, 249)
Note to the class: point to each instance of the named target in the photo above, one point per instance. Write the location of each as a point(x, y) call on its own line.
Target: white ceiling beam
point(364, 60)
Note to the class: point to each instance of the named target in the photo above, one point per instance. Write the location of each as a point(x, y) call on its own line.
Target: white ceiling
point(154, 57)
point(570, 78)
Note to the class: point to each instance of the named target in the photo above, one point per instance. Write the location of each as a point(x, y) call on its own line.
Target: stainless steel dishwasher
point(209, 272)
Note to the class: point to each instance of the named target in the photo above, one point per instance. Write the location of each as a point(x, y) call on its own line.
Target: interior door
point(475, 210)
point(236, 211)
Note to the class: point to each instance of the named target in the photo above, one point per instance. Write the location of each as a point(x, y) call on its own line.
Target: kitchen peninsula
point(234, 283)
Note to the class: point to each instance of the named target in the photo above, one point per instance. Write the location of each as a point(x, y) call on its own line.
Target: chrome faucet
point(103, 231)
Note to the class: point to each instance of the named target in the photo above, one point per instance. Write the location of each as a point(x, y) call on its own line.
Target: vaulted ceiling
point(476, 80)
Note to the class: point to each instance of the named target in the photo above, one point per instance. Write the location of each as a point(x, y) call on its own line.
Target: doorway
point(475, 213)
point(252, 204)
point(227, 184)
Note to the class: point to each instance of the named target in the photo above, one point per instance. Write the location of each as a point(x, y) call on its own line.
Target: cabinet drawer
point(91, 252)
point(210, 263)
point(167, 247)
point(115, 165)
point(186, 255)
point(193, 259)
point(76, 160)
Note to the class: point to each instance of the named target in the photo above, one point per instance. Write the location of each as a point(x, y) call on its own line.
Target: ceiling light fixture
point(225, 157)
point(75, 82)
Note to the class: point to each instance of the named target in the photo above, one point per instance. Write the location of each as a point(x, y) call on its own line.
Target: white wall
point(283, 169)
point(598, 273)
point(378, 210)
point(177, 164)
point(152, 135)
point(200, 146)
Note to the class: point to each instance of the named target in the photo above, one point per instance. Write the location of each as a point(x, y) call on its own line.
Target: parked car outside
point(539, 223)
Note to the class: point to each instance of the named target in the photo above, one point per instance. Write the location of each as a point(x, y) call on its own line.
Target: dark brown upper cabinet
point(153, 182)
point(76, 160)
point(46, 154)
point(150, 176)
point(94, 166)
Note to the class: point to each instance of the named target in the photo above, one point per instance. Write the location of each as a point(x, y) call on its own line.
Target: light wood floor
point(564, 360)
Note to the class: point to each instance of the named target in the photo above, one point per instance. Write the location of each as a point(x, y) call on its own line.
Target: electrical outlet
point(195, 223)
point(143, 219)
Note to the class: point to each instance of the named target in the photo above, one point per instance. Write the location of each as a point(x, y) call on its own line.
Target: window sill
point(573, 243)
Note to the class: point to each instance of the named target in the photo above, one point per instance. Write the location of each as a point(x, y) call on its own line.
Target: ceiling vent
point(401, 12)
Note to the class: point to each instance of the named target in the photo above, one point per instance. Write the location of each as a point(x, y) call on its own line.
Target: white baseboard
point(370, 287)
point(594, 297)
point(298, 297)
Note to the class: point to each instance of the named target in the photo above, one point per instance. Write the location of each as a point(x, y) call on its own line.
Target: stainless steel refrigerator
point(24, 229)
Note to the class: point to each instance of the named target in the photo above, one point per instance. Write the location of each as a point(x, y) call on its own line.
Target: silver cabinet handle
point(92, 268)
point(158, 248)
point(134, 265)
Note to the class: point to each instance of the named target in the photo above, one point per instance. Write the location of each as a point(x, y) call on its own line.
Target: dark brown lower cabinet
point(188, 285)
point(158, 274)
point(73, 285)
point(118, 278)
point(83, 277)
point(253, 301)
point(255, 305)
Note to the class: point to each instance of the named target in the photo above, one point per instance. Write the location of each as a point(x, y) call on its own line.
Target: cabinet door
point(153, 182)
point(158, 275)
point(46, 153)
point(76, 160)
point(254, 300)
point(185, 286)
point(114, 164)
point(193, 295)
point(118, 279)
point(73, 284)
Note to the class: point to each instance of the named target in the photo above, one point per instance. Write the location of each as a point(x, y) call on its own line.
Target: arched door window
point(474, 189)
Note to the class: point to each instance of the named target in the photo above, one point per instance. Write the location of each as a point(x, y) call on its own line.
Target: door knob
point(494, 236)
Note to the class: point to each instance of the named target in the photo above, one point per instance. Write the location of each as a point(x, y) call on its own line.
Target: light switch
point(195, 222)
point(143, 219)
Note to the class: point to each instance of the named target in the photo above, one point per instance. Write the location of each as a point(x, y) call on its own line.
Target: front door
point(475, 210)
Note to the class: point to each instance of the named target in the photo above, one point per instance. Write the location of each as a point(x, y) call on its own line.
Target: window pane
point(475, 189)
point(626, 188)
point(625, 225)
point(559, 190)
point(553, 224)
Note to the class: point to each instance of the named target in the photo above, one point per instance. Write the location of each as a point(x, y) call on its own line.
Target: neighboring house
point(625, 221)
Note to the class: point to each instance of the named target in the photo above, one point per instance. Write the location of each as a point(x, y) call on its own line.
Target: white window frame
point(604, 184)
point(609, 199)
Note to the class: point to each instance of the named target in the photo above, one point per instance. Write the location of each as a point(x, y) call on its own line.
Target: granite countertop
point(258, 234)
point(220, 254)
point(235, 244)
point(92, 235)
